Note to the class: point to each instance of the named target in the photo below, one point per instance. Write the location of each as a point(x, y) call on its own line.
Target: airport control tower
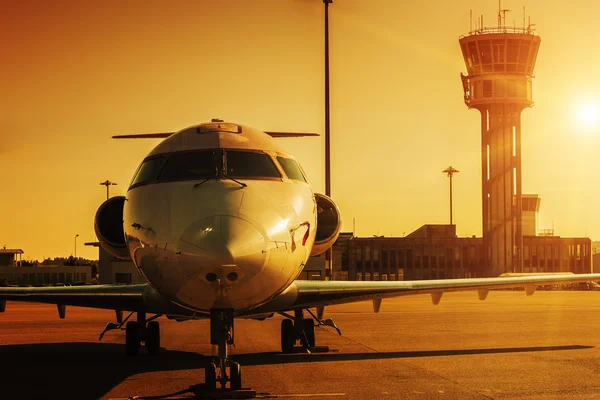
point(500, 64)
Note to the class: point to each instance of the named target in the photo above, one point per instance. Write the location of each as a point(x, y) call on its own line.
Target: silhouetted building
point(15, 271)
point(114, 270)
point(434, 255)
point(529, 214)
point(430, 252)
point(10, 257)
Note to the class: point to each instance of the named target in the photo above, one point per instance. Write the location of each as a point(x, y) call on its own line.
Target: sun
point(586, 114)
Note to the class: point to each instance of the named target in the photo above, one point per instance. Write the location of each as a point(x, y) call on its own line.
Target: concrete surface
point(508, 347)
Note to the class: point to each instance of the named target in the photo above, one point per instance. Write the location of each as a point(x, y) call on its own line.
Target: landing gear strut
point(142, 330)
point(221, 334)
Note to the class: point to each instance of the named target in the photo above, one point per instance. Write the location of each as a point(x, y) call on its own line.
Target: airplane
point(220, 221)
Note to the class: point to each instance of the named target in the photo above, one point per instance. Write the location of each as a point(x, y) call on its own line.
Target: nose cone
point(222, 247)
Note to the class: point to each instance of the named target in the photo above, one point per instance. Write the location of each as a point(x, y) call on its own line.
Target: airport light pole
point(75, 252)
point(329, 252)
point(450, 171)
point(107, 183)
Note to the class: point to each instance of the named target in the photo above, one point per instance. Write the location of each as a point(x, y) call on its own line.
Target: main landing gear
point(298, 328)
point(142, 330)
point(146, 331)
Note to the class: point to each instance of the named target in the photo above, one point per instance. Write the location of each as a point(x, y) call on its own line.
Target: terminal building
point(14, 271)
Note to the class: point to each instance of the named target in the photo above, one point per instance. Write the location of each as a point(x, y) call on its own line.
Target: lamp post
point(329, 252)
point(450, 171)
point(107, 183)
point(75, 252)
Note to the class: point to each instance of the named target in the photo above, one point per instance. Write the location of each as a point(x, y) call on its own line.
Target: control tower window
point(487, 88)
point(500, 87)
point(512, 51)
point(147, 171)
point(531, 60)
point(250, 164)
point(523, 53)
point(486, 52)
point(291, 168)
point(498, 51)
point(189, 166)
point(511, 88)
point(474, 53)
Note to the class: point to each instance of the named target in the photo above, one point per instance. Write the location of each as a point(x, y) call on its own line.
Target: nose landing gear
point(222, 334)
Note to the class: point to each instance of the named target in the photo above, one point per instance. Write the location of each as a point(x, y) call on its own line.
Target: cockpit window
point(250, 164)
point(189, 166)
point(291, 168)
point(147, 171)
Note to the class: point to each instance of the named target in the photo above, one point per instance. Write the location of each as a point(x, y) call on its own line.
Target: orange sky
point(74, 73)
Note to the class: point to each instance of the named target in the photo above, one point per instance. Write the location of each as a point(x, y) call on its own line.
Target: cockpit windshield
point(250, 164)
point(291, 168)
point(206, 164)
point(189, 166)
point(146, 173)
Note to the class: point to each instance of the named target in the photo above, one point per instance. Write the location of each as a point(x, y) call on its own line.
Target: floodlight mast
point(329, 252)
point(450, 171)
point(107, 183)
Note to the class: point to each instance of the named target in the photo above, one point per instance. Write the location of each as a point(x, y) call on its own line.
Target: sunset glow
point(586, 114)
point(74, 73)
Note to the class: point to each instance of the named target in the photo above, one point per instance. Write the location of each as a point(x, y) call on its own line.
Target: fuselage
point(218, 216)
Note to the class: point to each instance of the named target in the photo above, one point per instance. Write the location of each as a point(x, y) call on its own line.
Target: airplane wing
point(140, 297)
point(300, 294)
point(307, 294)
point(118, 297)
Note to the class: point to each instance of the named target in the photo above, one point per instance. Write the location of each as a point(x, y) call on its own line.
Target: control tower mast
point(500, 63)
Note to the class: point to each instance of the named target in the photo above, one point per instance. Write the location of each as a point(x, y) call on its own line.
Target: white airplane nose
point(222, 248)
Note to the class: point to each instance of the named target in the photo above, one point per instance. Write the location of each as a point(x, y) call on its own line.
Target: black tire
point(235, 376)
point(288, 336)
point(210, 376)
point(132, 338)
point(153, 338)
point(309, 330)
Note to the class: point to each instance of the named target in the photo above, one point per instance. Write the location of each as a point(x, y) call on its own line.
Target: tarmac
point(509, 346)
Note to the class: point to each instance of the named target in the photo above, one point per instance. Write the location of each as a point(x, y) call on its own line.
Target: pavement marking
point(307, 395)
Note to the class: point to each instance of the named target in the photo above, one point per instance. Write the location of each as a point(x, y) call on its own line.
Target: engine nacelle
point(329, 224)
point(108, 225)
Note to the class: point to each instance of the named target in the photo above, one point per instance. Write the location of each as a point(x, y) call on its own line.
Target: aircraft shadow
point(78, 370)
point(279, 358)
point(90, 370)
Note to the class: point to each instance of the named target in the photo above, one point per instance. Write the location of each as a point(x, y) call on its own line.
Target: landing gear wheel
point(132, 338)
point(153, 338)
point(288, 336)
point(235, 376)
point(210, 376)
point(309, 331)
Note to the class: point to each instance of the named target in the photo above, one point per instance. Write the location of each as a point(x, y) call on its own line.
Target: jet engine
point(329, 223)
point(108, 225)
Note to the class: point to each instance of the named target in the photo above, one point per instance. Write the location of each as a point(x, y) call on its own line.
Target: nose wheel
point(222, 369)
